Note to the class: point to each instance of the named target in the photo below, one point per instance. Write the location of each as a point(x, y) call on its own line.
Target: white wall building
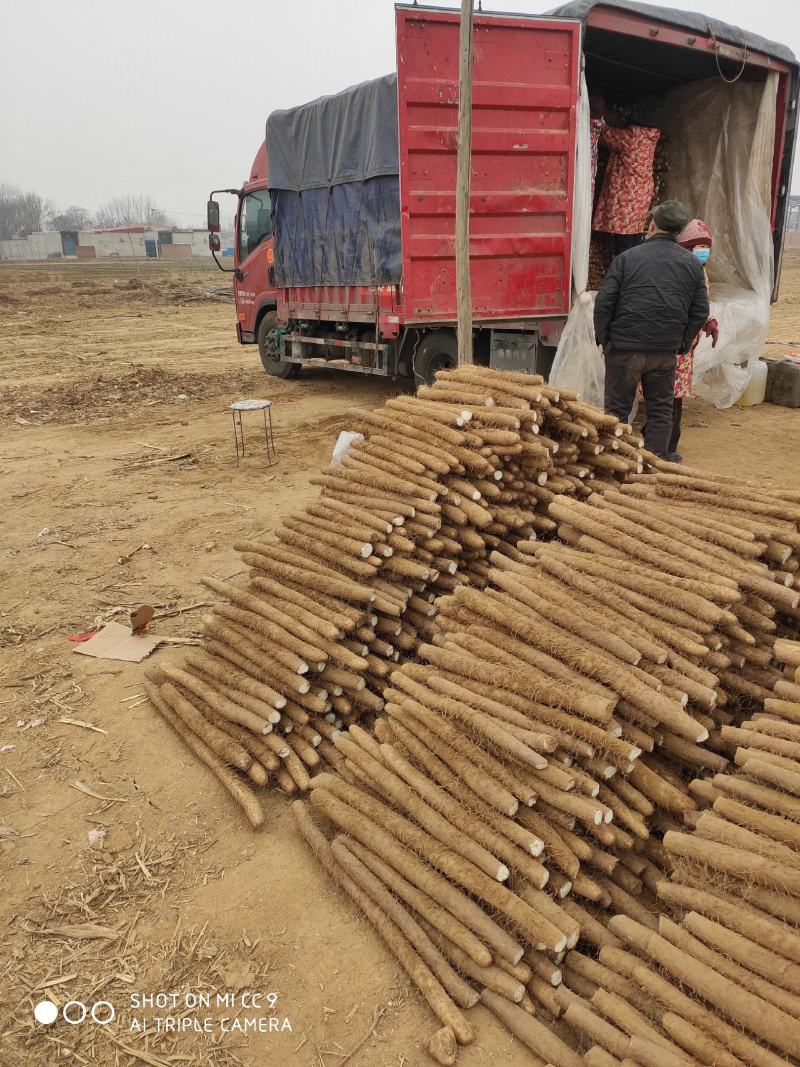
point(123, 242)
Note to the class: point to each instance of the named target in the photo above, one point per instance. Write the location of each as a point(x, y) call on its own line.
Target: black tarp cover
point(333, 177)
point(688, 20)
point(349, 137)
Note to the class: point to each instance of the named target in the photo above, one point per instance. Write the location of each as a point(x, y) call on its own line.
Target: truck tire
point(268, 350)
point(437, 351)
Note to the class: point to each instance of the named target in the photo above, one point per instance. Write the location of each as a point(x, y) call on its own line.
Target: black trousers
point(656, 372)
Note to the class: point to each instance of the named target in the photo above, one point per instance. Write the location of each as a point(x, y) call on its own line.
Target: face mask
point(702, 254)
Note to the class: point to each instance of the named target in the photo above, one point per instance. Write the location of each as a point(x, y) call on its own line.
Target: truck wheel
point(268, 349)
point(437, 351)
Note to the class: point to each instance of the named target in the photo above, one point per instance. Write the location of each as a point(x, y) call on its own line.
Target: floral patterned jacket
point(624, 201)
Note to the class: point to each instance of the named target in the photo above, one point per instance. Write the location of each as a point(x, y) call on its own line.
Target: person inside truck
point(651, 306)
point(698, 239)
point(623, 203)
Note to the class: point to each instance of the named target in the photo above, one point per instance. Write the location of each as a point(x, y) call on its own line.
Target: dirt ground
point(119, 485)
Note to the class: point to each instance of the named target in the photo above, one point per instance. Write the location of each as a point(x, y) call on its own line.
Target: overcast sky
point(169, 97)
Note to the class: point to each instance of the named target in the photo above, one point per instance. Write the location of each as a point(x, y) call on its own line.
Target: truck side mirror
point(212, 213)
point(214, 242)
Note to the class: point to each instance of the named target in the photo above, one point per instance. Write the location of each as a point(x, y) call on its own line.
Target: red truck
point(344, 252)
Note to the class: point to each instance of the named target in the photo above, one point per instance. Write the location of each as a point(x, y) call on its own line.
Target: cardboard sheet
point(117, 642)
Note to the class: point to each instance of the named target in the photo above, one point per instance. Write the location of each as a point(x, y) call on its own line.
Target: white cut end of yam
point(609, 772)
point(366, 550)
point(502, 873)
point(330, 717)
point(335, 734)
point(284, 752)
point(288, 728)
point(303, 668)
point(280, 702)
point(557, 977)
point(489, 402)
point(451, 569)
point(372, 620)
point(275, 716)
point(597, 818)
point(476, 494)
point(608, 815)
point(316, 740)
point(498, 475)
point(466, 415)
point(562, 943)
point(268, 728)
point(595, 789)
point(398, 520)
point(387, 551)
point(513, 809)
point(541, 478)
point(564, 892)
point(536, 848)
point(702, 735)
point(303, 687)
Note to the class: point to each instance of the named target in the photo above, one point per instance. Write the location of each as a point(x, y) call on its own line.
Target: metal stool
point(237, 409)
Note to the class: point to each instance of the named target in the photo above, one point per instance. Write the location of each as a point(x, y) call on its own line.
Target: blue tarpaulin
point(346, 234)
point(333, 179)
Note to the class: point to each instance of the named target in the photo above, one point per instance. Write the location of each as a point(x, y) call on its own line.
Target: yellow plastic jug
point(756, 388)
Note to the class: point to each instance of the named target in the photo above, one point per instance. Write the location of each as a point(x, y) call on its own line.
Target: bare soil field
point(125, 872)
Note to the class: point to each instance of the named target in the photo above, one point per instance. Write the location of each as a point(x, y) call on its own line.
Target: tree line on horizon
point(23, 212)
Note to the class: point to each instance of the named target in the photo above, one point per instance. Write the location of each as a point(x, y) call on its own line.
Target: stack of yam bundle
point(582, 702)
point(347, 589)
point(530, 685)
point(719, 977)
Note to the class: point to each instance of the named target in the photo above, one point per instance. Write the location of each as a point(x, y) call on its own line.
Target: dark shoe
point(674, 457)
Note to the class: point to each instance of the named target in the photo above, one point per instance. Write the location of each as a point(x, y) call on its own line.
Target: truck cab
point(253, 254)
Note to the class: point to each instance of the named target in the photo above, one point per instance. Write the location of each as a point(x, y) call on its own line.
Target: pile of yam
point(348, 587)
point(544, 692)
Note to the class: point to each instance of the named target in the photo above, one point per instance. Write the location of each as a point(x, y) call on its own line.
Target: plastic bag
point(579, 362)
point(343, 442)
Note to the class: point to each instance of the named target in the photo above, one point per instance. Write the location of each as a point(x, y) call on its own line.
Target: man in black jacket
point(649, 308)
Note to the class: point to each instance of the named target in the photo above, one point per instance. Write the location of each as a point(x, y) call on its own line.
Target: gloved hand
point(711, 329)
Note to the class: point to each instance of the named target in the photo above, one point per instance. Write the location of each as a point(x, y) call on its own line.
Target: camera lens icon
point(74, 1012)
point(45, 1012)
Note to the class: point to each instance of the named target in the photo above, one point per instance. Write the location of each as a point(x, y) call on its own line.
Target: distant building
point(121, 241)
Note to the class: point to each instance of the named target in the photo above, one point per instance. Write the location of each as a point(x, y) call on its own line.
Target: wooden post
point(463, 287)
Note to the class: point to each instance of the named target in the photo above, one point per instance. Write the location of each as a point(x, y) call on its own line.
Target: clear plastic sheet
point(578, 363)
point(721, 144)
point(720, 152)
